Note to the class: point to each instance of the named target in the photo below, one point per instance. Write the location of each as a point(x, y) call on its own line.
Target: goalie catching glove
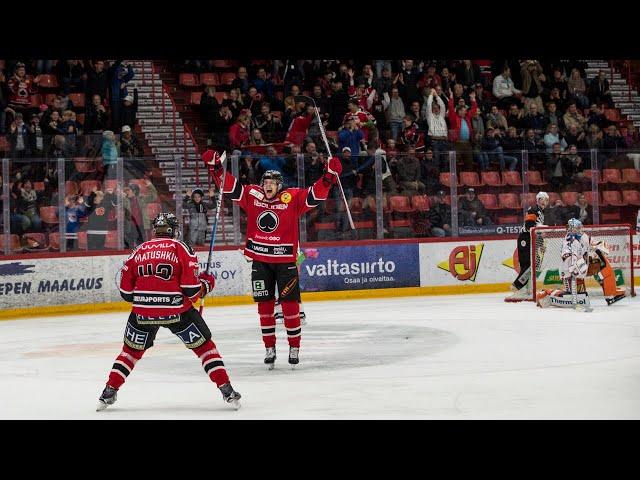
point(208, 281)
point(333, 169)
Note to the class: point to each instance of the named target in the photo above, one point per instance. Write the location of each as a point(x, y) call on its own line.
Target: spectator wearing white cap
point(129, 145)
point(129, 109)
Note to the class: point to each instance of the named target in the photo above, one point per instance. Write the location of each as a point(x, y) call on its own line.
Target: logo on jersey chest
point(268, 221)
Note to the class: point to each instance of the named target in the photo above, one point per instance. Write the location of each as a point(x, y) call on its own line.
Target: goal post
point(546, 261)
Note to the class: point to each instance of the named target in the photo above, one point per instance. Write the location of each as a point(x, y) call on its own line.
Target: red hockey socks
point(212, 362)
point(291, 313)
point(268, 322)
point(123, 365)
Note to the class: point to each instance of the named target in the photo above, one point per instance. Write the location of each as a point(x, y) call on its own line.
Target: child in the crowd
point(75, 209)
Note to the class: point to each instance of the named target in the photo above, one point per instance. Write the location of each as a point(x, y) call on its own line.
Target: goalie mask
point(574, 226)
point(166, 225)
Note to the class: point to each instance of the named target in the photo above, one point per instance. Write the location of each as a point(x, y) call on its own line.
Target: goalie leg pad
point(566, 301)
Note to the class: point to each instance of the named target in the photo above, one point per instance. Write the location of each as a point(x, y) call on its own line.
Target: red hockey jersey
point(272, 225)
point(160, 278)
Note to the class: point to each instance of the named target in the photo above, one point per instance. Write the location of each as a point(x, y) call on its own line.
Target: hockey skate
point(108, 397)
point(270, 358)
point(230, 396)
point(617, 298)
point(524, 294)
point(293, 356)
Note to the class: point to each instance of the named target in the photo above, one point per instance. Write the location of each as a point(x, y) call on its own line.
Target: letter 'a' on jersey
point(160, 278)
point(272, 225)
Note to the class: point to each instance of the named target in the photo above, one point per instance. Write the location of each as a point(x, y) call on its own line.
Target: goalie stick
point(304, 98)
point(214, 227)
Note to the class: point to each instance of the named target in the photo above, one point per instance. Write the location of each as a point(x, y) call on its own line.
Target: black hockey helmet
point(166, 225)
point(272, 175)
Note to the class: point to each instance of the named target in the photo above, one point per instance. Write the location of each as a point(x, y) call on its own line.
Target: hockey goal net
point(546, 248)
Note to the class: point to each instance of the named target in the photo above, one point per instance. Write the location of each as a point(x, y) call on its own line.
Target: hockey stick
point(326, 144)
point(214, 228)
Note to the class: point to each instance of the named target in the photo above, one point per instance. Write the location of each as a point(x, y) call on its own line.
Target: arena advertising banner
point(360, 267)
point(94, 279)
point(467, 263)
point(514, 229)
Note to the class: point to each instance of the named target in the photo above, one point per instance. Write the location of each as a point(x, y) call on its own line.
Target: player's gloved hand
point(333, 169)
point(214, 159)
point(208, 282)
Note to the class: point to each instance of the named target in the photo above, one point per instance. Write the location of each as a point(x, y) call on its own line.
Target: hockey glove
point(208, 282)
point(333, 169)
point(214, 160)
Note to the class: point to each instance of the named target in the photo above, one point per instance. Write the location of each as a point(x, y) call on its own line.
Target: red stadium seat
point(71, 187)
point(512, 178)
point(219, 96)
point(49, 98)
point(400, 204)
point(491, 179)
point(209, 79)
point(77, 99)
point(356, 206)
point(227, 78)
point(527, 199)
point(590, 173)
point(111, 241)
point(588, 195)
point(48, 81)
point(153, 209)
point(613, 198)
point(195, 98)
point(612, 114)
point(84, 166)
point(489, 201)
point(420, 203)
point(189, 80)
point(630, 175)
point(507, 219)
point(38, 186)
point(612, 175)
point(87, 186)
point(49, 215)
point(445, 178)
point(612, 217)
point(36, 100)
point(470, 179)
point(405, 223)
point(14, 244)
point(34, 242)
point(632, 197)
point(222, 63)
point(569, 198)
point(110, 185)
point(535, 178)
point(509, 201)
point(54, 241)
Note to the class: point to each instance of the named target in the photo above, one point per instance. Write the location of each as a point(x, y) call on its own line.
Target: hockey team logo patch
point(268, 221)
point(463, 262)
point(285, 197)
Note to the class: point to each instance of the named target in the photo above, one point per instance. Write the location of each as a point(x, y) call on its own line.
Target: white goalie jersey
point(575, 250)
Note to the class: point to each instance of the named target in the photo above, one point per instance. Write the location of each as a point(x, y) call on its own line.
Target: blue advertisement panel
point(360, 267)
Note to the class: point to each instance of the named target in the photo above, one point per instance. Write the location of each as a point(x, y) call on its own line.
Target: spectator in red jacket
point(461, 131)
point(300, 125)
point(21, 87)
point(239, 132)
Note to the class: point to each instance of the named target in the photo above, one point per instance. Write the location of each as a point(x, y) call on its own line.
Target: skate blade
point(235, 404)
point(271, 366)
point(101, 406)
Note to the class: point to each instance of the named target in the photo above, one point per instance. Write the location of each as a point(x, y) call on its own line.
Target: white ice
point(454, 357)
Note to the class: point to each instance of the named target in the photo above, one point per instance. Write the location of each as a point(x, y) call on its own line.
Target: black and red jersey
point(160, 278)
point(272, 225)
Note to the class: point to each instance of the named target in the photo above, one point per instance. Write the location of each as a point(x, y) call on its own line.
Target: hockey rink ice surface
point(447, 357)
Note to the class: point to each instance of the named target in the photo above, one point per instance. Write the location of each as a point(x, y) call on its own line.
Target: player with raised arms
point(533, 218)
point(273, 214)
point(161, 279)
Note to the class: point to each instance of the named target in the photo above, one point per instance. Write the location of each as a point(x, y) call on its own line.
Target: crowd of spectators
point(84, 112)
point(411, 113)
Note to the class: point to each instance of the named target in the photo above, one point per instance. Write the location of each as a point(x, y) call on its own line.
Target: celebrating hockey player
point(534, 218)
point(598, 266)
point(273, 213)
point(278, 312)
point(161, 279)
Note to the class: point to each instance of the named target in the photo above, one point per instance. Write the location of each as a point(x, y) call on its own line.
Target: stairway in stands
point(624, 98)
point(170, 140)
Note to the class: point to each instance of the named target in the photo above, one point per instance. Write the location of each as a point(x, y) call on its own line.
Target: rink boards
point(76, 283)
